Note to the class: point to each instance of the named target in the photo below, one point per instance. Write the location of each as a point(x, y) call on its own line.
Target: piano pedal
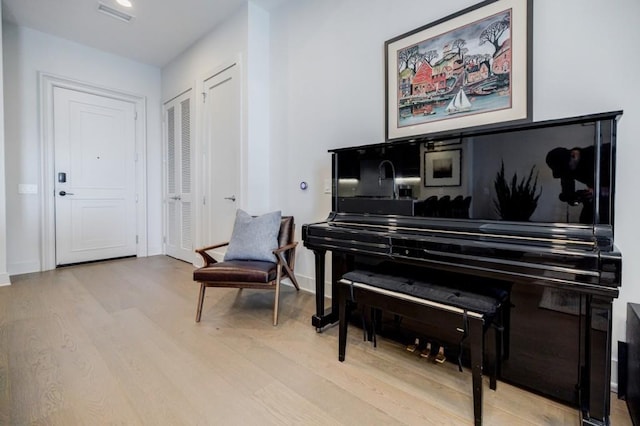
point(426, 352)
point(414, 347)
point(440, 358)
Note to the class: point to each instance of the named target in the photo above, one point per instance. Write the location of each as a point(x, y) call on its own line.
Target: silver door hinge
point(204, 201)
point(204, 97)
point(135, 115)
point(136, 239)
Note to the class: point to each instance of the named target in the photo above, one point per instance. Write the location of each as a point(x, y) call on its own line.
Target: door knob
point(232, 198)
point(63, 193)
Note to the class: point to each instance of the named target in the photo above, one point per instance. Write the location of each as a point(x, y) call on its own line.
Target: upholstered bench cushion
point(237, 271)
point(462, 299)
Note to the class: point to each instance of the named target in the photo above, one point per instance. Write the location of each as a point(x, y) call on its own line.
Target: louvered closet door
point(178, 186)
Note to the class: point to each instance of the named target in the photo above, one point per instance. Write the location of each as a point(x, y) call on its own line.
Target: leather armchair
point(250, 273)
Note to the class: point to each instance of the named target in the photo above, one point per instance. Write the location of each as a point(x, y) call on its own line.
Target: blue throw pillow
point(254, 238)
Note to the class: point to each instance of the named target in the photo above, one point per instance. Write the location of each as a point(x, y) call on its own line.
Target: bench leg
point(342, 324)
point(495, 358)
point(475, 345)
point(505, 316)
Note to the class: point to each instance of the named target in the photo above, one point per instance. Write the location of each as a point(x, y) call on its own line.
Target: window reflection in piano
point(365, 185)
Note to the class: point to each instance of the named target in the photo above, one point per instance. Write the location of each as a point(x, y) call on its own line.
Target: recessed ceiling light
point(125, 3)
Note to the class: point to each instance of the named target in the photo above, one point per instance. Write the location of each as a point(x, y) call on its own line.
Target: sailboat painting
point(475, 65)
point(450, 72)
point(459, 103)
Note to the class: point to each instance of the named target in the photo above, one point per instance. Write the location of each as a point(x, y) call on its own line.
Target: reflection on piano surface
point(562, 274)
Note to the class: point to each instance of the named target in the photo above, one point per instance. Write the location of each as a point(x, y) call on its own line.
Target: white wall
point(4, 276)
point(328, 92)
point(27, 52)
point(221, 46)
point(258, 117)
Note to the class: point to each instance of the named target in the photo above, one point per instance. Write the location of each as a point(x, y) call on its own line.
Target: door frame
point(48, 82)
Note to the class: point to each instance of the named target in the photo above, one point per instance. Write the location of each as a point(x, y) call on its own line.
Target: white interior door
point(95, 200)
point(178, 156)
point(222, 124)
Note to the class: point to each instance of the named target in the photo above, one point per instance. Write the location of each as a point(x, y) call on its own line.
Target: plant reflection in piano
point(516, 200)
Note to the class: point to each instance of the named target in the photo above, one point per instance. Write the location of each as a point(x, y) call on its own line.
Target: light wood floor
point(116, 343)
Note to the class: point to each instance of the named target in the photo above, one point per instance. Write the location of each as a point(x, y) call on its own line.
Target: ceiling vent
point(114, 13)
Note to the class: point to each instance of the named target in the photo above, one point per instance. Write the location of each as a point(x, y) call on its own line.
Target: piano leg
point(316, 320)
point(322, 318)
point(475, 349)
point(342, 327)
point(598, 360)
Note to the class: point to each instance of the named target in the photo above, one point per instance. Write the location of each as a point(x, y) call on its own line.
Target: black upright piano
point(525, 207)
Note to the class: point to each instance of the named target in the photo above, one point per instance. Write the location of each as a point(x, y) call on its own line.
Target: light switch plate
point(327, 186)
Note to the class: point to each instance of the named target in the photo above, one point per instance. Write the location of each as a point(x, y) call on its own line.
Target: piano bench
point(457, 315)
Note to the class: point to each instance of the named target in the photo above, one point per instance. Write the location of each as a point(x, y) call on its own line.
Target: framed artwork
point(467, 69)
point(442, 168)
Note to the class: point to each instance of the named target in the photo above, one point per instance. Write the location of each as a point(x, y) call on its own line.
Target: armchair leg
point(200, 301)
point(277, 297)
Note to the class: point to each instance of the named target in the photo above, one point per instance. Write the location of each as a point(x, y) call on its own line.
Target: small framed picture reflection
point(442, 168)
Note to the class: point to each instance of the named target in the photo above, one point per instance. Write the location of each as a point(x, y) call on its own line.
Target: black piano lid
point(480, 153)
point(489, 129)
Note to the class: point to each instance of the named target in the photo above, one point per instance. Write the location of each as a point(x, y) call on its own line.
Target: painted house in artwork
point(422, 83)
point(426, 81)
point(476, 72)
point(449, 62)
point(439, 82)
point(405, 82)
point(502, 59)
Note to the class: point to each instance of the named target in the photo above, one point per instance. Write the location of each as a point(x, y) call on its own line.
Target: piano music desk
point(455, 315)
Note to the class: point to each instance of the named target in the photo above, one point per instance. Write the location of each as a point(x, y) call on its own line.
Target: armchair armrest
point(285, 248)
point(208, 260)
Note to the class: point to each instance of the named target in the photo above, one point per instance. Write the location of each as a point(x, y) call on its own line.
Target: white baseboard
point(614, 375)
point(154, 251)
point(4, 279)
point(24, 268)
point(308, 284)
